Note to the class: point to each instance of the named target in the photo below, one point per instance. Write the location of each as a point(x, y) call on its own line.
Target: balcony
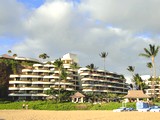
point(63, 83)
point(87, 79)
point(26, 70)
point(41, 71)
point(38, 94)
point(31, 88)
point(48, 77)
point(85, 73)
point(14, 76)
point(70, 89)
point(30, 76)
point(41, 82)
point(13, 88)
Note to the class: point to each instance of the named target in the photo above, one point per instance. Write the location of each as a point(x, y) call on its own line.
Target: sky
point(83, 27)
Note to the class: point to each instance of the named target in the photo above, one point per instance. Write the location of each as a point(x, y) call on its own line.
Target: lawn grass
point(50, 105)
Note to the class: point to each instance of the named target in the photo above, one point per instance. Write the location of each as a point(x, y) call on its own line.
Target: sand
point(75, 115)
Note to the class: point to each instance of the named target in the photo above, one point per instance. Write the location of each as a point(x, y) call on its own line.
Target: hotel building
point(151, 88)
point(33, 83)
point(100, 81)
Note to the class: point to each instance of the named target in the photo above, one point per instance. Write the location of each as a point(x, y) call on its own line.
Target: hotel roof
point(77, 95)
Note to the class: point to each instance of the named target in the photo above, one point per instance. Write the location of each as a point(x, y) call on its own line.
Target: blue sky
point(32, 3)
point(83, 27)
point(37, 3)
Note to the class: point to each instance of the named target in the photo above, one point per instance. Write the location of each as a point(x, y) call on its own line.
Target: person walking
point(26, 106)
point(23, 106)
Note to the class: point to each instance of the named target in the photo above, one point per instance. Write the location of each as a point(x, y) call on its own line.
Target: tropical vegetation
point(151, 52)
point(58, 64)
point(43, 56)
point(103, 55)
point(52, 105)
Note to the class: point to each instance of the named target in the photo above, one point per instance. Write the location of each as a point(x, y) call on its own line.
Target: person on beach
point(26, 106)
point(23, 106)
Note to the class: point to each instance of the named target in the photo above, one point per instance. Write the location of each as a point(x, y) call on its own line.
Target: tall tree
point(140, 84)
point(151, 53)
point(131, 69)
point(43, 56)
point(75, 68)
point(9, 51)
point(103, 55)
point(14, 55)
point(138, 81)
point(58, 64)
point(91, 67)
point(63, 76)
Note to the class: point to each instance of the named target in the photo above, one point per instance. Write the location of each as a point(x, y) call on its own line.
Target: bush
point(50, 105)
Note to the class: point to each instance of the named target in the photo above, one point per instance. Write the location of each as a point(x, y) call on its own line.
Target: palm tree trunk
point(154, 67)
point(104, 65)
point(154, 75)
point(59, 87)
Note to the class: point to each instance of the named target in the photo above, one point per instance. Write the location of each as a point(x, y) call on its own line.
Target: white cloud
point(135, 15)
point(11, 18)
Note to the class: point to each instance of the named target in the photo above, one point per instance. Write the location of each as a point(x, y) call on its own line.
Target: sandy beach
point(75, 115)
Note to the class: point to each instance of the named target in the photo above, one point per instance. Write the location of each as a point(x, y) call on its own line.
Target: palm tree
point(151, 53)
point(140, 84)
point(91, 67)
point(104, 55)
point(150, 66)
point(131, 69)
point(14, 55)
point(43, 56)
point(138, 81)
point(58, 64)
point(75, 67)
point(63, 76)
point(9, 51)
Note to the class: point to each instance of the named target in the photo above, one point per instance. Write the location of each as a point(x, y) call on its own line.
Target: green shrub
point(50, 105)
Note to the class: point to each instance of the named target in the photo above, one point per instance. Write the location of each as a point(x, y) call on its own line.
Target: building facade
point(72, 82)
point(33, 83)
point(153, 87)
point(100, 81)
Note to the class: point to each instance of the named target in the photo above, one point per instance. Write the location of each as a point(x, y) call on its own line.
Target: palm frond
point(144, 55)
point(131, 68)
point(156, 51)
point(149, 65)
point(103, 54)
point(148, 52)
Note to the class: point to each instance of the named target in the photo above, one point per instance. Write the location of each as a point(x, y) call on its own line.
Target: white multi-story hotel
point(33, 83)
point(151, 86)
point(100, 81)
